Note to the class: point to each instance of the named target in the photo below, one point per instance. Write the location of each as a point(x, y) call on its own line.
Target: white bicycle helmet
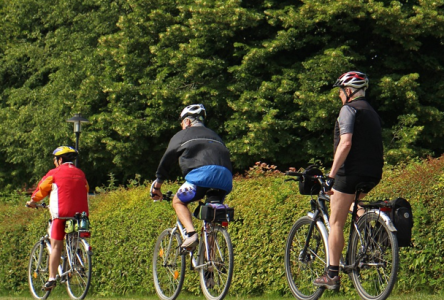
point(352, 79)
point(193, 110)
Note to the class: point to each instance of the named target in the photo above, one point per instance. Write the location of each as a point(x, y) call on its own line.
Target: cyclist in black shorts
point(358, 158)
point(205, 164)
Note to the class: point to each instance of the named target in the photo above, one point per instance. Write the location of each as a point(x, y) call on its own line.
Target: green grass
point(414, 296)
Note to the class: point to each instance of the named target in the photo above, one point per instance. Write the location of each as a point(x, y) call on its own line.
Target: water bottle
point(84, 222)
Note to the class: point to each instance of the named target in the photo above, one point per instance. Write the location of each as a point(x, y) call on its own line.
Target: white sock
point(51, 279)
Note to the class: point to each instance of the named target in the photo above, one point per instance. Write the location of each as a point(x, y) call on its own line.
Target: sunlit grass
point(184, 296)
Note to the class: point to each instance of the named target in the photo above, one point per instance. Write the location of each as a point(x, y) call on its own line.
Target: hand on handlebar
point(156, 192)
point(31, 204)
point(327, 185)
point(36, 205)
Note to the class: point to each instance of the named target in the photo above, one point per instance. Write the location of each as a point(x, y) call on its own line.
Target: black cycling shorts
point(347, 183)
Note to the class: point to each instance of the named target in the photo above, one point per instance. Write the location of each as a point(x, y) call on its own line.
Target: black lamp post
point(77, 120)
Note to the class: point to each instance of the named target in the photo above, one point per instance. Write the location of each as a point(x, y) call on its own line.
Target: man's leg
point(54, 261)
point(54, 258)
point(183, 213)
point(339, 206)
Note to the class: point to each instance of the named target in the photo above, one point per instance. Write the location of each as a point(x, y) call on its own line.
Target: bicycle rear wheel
point(168, 265)
point(375, 251)
point(217, 271)
point(302, 269)
point(38, 270)
point(79, 260)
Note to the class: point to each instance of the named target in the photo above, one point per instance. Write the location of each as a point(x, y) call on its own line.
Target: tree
point(263, 69)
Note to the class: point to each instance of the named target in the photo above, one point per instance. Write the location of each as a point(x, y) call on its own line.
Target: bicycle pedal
point(184, 251)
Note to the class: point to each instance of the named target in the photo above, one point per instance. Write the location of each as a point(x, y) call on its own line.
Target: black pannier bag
point(309, 186)
point(214, 212)
point(402, 218)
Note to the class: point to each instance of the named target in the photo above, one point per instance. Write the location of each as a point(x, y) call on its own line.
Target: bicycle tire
point(215, 279)
point(38, 270)
point(302, 271)
point(377, 270)
point(169, 269)
point(80, 263)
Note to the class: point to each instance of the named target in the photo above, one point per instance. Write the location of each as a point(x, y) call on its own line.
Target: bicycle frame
point(70, 255)
point(183, 234)
point(370, 259)
point(320, 218)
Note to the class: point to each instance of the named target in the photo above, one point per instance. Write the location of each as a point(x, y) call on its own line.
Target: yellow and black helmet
point(66, 152)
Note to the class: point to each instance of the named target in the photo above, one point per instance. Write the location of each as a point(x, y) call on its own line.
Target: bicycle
point(75, 266)
point(371, 258)
point(214, 260)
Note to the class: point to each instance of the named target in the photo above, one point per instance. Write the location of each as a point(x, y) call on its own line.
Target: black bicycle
point(371, 258)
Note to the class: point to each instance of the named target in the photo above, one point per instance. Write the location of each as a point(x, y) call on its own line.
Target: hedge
point(125, 223)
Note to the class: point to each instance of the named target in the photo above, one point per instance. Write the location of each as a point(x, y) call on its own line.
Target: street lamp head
point(77, 120)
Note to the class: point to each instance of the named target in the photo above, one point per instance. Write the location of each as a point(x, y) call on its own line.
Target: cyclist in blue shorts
point(205, 163)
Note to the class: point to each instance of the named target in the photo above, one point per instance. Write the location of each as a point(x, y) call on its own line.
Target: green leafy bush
point(125, 224)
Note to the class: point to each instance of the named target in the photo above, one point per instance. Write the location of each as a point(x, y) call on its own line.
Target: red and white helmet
point(352, 79)
point(193, 110)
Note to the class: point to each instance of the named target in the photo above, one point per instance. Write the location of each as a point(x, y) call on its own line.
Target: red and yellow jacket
point(68, 191)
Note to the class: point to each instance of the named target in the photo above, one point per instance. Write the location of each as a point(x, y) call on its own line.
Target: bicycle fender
point(385, 217)
point(321, 227)
point(87, 246)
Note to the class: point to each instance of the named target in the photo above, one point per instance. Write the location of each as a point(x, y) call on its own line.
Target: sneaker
point(49, 285)
point(327, 282)
point(190, 242)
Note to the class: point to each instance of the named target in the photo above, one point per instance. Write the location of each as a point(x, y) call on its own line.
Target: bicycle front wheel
point(79, 258)
point(303, 267)
point(374, 251)
point(216, 264)
point(38, 270)
point(168, 265)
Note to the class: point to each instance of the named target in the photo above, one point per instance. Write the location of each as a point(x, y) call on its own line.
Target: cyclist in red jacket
point(68, 189)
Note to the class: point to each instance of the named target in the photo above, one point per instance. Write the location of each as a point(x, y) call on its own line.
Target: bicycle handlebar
point(321, 178)
point(37, 205)
point(167, 197)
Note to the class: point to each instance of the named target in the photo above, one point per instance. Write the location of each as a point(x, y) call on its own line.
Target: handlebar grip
point(166, 197)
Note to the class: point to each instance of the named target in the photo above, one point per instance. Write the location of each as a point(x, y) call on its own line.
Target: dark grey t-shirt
point(346, 119)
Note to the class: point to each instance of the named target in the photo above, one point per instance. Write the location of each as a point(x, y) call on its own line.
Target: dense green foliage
point(263, 68)
point(125, 224)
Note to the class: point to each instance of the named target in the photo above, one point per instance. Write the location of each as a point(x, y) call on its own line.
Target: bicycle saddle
point(364, 187)
point(215, 196)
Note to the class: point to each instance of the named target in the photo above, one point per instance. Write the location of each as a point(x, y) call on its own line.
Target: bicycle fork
point(304, 252)
point(43, 243)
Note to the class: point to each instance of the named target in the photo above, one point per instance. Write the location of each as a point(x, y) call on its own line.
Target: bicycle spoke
point(375, 252)
point(38, 270)
point(79, 261)
point(215, 276)
point(303, 267)
point(168, 265)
